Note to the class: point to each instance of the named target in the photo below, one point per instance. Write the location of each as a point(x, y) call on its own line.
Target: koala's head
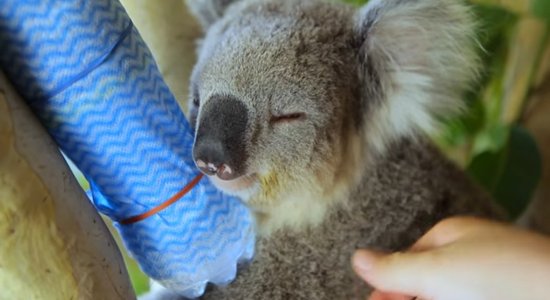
point(289, 97)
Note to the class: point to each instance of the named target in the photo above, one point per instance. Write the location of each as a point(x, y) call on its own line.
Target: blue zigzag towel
point(88, 75)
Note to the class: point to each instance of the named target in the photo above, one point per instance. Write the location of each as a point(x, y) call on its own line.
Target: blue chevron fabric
point(90, 78)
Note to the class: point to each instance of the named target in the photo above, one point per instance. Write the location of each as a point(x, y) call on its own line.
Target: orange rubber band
point(164, 205)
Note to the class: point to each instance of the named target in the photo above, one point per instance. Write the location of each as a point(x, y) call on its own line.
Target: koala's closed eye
point(196, 100)
point(194, 109)
point(286, 118)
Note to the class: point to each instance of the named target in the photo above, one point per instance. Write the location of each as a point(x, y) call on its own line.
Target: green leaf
point(512, 173)
point(356, 2)
point(139, 280)
point(486, 169)
point(491, 139)
point(541, 8)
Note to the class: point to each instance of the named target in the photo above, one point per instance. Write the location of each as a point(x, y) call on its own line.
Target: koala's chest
point(313, 264)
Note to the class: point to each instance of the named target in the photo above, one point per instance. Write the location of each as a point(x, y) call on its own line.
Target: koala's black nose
point(220, 142)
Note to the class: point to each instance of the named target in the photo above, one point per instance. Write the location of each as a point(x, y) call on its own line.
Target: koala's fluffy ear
point(208, 11)
point(417, 57)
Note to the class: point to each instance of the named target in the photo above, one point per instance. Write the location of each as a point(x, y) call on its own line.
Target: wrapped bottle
point(89, 77)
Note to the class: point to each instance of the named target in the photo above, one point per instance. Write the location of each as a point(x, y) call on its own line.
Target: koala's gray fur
point(355, 170)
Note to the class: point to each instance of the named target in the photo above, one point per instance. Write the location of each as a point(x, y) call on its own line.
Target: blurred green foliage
point(496, 151)
point(541, 8)
point(511, 172)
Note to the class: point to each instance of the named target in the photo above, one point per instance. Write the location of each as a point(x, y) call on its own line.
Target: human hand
point(462, 258)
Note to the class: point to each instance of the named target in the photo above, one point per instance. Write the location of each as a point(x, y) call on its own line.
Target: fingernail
point(362, 262)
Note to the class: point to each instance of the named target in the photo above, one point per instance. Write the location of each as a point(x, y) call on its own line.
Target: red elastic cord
point(164, 205)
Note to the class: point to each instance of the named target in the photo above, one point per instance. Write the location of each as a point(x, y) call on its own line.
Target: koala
point(316, 114)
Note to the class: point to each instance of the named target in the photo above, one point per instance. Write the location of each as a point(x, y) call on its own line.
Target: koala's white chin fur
point(243, 187)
